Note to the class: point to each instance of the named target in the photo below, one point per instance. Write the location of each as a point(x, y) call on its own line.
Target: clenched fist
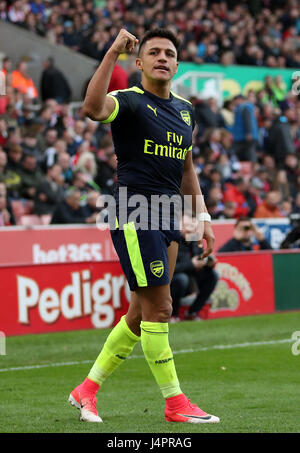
point(125, 41)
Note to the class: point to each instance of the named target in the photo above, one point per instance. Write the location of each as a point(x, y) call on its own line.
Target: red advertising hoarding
point(57, 244)
point(63, 244)
point(60, 297)
point(73, 296)
point(245, 287)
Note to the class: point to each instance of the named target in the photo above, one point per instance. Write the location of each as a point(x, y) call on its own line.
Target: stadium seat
point(46, 219)
point(22, 207)
point(30, 220)
point(29, 205)
point(18, 208)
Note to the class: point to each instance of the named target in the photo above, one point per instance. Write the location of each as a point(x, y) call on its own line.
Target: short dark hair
point(159, 33)
point(243, 219)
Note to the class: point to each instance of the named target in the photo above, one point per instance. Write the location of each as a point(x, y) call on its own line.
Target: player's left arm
point(190, 186)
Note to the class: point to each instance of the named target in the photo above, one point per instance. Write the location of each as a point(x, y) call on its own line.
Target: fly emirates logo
point(173, 149)
point(80, 297)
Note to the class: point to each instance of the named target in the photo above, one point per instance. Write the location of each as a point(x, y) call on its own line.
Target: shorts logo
point(185, 115)
point(157, 268)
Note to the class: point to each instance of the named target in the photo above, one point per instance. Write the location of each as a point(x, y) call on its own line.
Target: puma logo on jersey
point(153, 109)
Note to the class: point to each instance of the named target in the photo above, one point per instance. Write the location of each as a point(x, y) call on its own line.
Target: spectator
point(69, 211)
point(119, 79)
point(30, 175)
point(189, 268)
point(205, 178)
point(252, 36)
point(107, 174)
point(281, 184)
point(211, 147)
point(22, 82)
point(245, 130)
point(3, 132)
point(87, 165)
point(280, 143)
point(6, 215)
point(279, 90)
point(70, 36)
point(215, 196)
point(291, 166)
point(239, 195)
point(11, 179)
point(49, 192)
point(30, 146)
point(246, 237)
point(227, 112)
point(224, 167)
point(94, 45)
point(269, 208)
point(31, 23)
point(93, 205)
point(79, 182)
point(227, 211)
point(54, 85)
point(64, 161)
point(296, 206)
point(230, 33)
point(37, 7)
point(14, 156)
point(207, 115)
point(285, 208)
point(17, 11)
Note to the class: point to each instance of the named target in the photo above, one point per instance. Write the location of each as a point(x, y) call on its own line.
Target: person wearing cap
point(70, 37)
point(280, 142)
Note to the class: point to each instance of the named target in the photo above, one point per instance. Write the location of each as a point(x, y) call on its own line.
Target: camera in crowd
point(292, 239)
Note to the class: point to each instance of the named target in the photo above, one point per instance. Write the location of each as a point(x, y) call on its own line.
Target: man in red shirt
point(119, 79)
point(237, 194)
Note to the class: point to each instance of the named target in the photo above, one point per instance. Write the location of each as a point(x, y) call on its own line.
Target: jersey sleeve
point(123, 105)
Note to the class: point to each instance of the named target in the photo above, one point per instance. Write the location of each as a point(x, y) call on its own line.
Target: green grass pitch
point(252, 387)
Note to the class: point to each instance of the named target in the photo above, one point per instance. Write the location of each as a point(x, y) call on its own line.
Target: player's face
point(158, 59)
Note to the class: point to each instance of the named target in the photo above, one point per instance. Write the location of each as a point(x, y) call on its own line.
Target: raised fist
point(125, 41)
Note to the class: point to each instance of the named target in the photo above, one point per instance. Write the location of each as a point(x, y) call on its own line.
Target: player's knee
point(165, 310)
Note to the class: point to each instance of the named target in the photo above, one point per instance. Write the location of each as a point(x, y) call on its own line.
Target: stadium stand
point(34, 136)
point(259, 33)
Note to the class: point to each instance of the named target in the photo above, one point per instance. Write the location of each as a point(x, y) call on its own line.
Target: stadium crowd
point(54, 162)
point(260, 32)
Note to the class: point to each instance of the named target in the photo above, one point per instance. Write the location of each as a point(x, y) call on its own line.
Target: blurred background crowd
point(54, 162)
point(259, 32)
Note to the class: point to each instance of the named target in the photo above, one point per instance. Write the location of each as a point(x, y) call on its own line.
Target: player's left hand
point(209, 237)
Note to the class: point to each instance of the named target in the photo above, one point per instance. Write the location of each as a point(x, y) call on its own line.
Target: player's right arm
point(97, 105)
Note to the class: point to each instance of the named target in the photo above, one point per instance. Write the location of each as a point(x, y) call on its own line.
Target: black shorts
point(143, 253)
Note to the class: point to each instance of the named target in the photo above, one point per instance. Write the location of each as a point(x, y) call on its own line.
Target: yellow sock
point(116, 349)
point(157, 351)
